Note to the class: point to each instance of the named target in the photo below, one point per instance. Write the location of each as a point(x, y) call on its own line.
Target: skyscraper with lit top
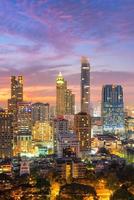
point(65, 99)
point(60, 95)
point(85, 85)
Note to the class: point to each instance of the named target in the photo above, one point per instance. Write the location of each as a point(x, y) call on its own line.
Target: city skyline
point(45, 37)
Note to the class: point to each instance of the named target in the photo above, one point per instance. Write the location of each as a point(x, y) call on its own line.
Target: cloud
point(40, 38)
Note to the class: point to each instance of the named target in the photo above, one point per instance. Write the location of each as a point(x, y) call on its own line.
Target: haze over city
point(40, 38)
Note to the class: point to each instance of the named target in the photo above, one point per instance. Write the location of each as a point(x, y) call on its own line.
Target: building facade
point(82, 127)
point(85, 85)
point(113, 109)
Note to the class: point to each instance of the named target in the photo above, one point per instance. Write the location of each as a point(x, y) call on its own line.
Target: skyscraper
point(16, 97)
point(85, 85)
point(113, 109)
point(82, 127)
point(60, 95)
point(65, 99)
point(6, 134)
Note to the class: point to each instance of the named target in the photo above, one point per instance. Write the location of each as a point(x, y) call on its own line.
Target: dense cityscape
point(54, 153)
point(66, 100)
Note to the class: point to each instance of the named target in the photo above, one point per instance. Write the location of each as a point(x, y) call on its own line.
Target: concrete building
point(60, 126)
point(82, 128)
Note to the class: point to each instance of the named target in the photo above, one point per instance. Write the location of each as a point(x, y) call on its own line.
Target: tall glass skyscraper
point(85, 85)
point(113, 109)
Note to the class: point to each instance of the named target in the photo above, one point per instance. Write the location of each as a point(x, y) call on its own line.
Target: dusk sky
point(39, 38)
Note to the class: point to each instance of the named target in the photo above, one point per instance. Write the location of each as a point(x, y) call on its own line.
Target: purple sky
point(39, 38)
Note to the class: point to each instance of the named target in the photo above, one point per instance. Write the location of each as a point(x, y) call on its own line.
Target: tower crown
point(60, 79)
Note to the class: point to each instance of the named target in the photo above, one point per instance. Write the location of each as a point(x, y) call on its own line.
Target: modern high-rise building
point(40, 112)
point(82, 127)
point(65, 99)
point(60, 95)
point(6, 134)
point(113, 109)
point(85, 85)
point(16, 97)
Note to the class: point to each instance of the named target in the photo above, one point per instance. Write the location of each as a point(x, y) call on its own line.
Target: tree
point(42, 182)
point(122, 194)
point(127, 174)
point(112, 181)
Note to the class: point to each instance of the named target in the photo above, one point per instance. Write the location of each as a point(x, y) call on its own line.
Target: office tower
point(69, 102)
point(60, 95)
point(24, 123)
point(82, 127)
point(113, 109)
point(40, 112)
point(60, 126)
point(85, 85)
point(16, 97)
point(6, 134)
